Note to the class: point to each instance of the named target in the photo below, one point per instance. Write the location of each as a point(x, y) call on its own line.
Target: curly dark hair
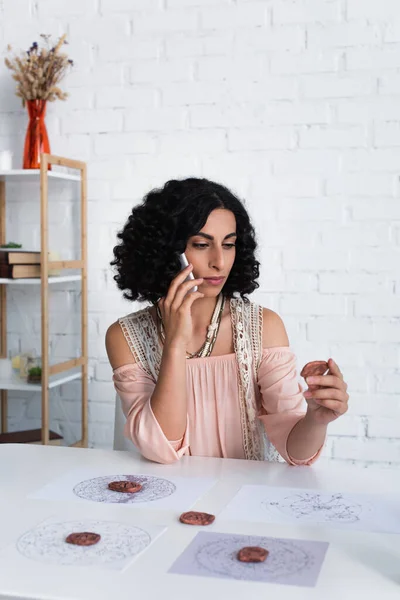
point(156, 233)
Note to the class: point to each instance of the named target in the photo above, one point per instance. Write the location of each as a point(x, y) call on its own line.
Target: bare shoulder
point(274, 330)
point(117, 347)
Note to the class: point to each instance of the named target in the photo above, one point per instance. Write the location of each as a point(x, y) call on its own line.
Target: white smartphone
point(184, 264)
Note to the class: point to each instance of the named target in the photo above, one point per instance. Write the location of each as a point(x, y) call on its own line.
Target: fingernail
point(311, 380)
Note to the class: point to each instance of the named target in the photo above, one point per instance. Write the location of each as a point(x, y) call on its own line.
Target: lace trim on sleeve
point(141, 335)
point(247, 325)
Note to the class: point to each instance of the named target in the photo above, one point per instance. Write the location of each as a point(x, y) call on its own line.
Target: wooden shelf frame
point(45, 281)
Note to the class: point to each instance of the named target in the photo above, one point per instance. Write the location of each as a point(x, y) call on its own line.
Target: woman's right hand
point(176, 309)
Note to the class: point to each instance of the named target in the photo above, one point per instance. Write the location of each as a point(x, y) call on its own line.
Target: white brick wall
point(292, 103)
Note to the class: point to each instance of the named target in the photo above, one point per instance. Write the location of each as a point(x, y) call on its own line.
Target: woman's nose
point(217, 261)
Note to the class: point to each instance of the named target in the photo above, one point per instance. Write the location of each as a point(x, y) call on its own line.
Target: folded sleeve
point(282, 401)
point(135, 388)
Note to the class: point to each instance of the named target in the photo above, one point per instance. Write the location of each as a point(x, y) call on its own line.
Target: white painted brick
point(59, 8)
point(364, 111)
point(235, 68)
point(342, 35)
point(110, 6)
point(320, 162)
point(280, 235)
point(358, 380)
point(320, 209)
point(369, 9)
point(306, 62)
point(165, 21)
point(332, 136)
point(387, 331)
point(296, 187)
point(261, 139)
point(369, 59)
point(113, 298)
point(154, 170)
point(151, 119)
point(107, 168)
point(341, 330)
point(99, 74)
point(98, 30)
point(187, 3)
point(362, 185)
point(177, 47)
point(276, 39)
point(16, 8)
point(371, 160)
point(102, 413)
point(336, 85)
point(346, 283)
point(218, 116)
point(300, 282)
point(78, 99)
point(197, 141)
point(368, 209)
point(306, 11)
point(377, 305)
point(367, 450)
point(375, 260)
point(313, 305)
point(287, 113)
point(89, 121)
point(251, 14)
point(390, 384)
point(365, 355)
point(103, 371)
point(354, 235)
point(101, 391)
point(389, 85)
point(306, 260)
point(194, 92)
point(107, 144)
point(218, 43)
point(396, 237)
point(380, 427)
point(132, 97)
point(347, 426)
point(65, 345)
point(270, 88)
point(101, 436)
point(152, 71)
point(392, 31)
point(128, 49)
point(387, 135)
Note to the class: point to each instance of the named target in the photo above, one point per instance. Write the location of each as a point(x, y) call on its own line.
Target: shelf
point(21, 175)
point(37, 280)
point(55, 381)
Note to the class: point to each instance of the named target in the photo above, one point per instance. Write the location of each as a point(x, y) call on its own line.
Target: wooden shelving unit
point(77, 368)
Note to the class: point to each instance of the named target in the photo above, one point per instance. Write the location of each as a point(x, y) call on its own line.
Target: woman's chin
point(210, 292)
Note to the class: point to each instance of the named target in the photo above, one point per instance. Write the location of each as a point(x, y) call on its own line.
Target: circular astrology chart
point(285, 558)
point(119, 541)
point(333, 508)
point(96, 490)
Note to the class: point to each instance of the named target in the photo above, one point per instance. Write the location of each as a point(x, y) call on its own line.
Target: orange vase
point(37, 140)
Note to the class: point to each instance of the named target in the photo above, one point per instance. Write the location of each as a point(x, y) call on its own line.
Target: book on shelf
point(30, 436)
point(19, 257)
point(19, 271)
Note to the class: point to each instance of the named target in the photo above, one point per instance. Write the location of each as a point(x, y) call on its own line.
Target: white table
point(357, 565)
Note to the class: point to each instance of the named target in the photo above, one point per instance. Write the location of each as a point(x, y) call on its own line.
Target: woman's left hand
point(329, 401)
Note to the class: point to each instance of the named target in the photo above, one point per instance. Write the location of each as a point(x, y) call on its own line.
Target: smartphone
point(184, 264)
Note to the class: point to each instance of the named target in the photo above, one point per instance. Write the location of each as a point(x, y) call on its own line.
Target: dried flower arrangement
point(38, 71)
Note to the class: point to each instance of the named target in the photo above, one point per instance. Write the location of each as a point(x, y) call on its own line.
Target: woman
point(207, 372)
